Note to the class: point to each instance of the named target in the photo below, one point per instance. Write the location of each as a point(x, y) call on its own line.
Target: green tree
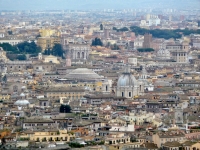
point(97, 42)
point(145, 49)
point(21, 57)
point(9, 48)
point(101, 26)
point(114, 47)
point(75, 145)
point(10, 32)
point(114, 28)
point(65, 109)
point(57, 50)
point(121, 29)
point(49, 52)
point(28, 48)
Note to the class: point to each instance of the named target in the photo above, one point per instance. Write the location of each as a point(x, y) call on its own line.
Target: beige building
point(162, 137)
point(117, 138)
point(195, 146)
point(179, 56)
point(68, 92)
point(51, 59)
point(47, 135)
point(134, 145)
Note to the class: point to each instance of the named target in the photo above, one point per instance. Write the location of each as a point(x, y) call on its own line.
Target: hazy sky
point(95, 4)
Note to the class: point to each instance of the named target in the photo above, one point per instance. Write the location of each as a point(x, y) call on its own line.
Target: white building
point(163, 54)
point(11, 41)
point(132, 61)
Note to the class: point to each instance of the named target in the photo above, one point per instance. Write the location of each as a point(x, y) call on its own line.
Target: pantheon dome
point(83, 74)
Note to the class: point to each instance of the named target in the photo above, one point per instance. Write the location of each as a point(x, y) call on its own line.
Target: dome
point(83, 74)
point(126, 79)
point(22, 95)
point(22, 102)
point(23, 87)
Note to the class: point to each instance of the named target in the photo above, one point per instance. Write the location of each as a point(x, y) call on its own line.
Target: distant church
point(78, 51)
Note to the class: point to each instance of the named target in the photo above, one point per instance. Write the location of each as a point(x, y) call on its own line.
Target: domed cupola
point(126, 79)
point(127, 85)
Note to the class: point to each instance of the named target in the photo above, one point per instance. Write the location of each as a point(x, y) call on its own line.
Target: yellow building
point(46, 136)
point(4, 97)
point(195, 146)
point(49, 33)
point(48, 42)
point(124, 146)
point(95, 86)
point(48, 38)
point(67, 92)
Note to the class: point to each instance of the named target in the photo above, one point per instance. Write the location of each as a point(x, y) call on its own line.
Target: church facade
point(77, 52)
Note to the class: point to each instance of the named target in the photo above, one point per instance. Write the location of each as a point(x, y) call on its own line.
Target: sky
point(95, 4)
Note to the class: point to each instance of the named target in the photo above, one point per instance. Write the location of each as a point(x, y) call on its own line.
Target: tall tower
point(178, 115)
point(147, 41)
point(68, 60)
point(106, 33)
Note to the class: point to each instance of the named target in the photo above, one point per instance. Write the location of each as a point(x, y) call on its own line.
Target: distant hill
point(96, 4)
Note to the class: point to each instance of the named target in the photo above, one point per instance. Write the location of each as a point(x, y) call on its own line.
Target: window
point(129, 94)
point(122, 94)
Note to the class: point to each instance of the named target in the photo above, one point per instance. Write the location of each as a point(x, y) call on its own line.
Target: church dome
point(22, 102)
point(22, 95)
point(126, 79)
point(83, 74)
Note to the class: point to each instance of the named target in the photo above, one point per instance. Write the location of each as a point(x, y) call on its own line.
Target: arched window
point(122, 94)
point(82, 54)
point(78, 55)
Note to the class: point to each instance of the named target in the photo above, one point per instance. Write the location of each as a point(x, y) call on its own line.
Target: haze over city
point(96, 4)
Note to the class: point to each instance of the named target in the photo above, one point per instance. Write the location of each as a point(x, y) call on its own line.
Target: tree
point(97, 42)
point(101, 26)
point(10, 32)
point(57, 50)
point(114, 28)
point(8, 47)
point(145, 49)
point(65, 109)
point(21, 57)
point(121, 29)
point(49, 52)
point(28, 48)
point(114, 47)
